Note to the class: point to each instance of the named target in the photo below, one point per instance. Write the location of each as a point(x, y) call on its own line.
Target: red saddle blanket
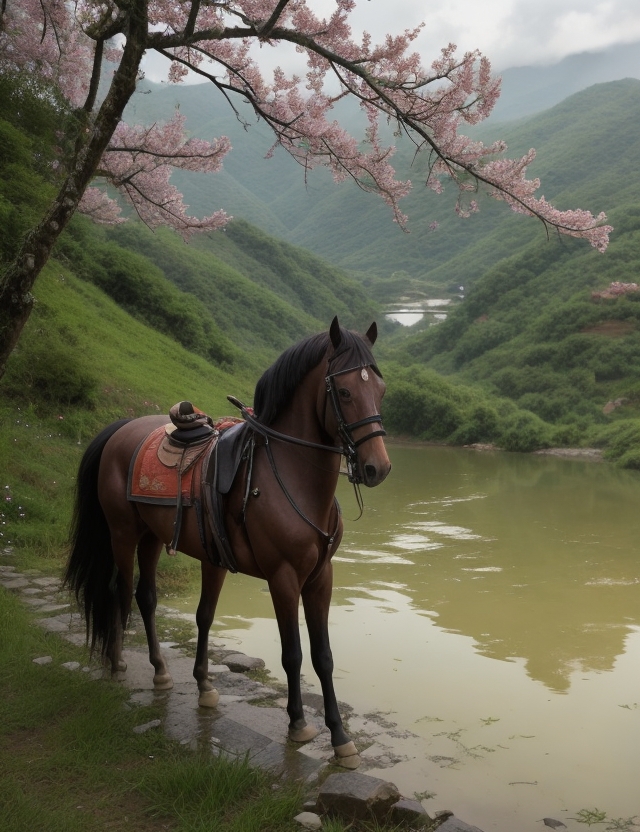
point(158, 465)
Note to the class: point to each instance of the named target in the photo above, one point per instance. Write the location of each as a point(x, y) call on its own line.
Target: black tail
point(90, 571)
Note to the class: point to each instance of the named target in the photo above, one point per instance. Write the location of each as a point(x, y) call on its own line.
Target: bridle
point(348, 449)
point(350, 445)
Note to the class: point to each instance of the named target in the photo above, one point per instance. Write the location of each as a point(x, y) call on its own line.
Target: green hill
point(235, 296)
point(586, 146)
point(527, 360)
point(533, 329)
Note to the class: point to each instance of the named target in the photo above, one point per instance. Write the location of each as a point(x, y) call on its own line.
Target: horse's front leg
point(316, 597)
point(212, 581)
point(285, 594)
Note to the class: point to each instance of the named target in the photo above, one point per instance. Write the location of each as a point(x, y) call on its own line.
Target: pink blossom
point(389, 81)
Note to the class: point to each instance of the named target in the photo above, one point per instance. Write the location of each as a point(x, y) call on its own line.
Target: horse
point(319, 402)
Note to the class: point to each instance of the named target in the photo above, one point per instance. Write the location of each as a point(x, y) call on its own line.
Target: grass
point(42, 437)
point(71, 761)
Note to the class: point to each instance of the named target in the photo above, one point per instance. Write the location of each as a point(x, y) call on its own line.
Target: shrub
point(50, 368)
point(481, 425)
point(524, 432)
point(619, 439)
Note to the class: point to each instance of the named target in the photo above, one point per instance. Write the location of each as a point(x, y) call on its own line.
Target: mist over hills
point(530, 358)
point(577, 137)
point(531, 89)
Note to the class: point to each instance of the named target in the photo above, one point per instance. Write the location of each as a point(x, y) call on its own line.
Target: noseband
point(345, 430)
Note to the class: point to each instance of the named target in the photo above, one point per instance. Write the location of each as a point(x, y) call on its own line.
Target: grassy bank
point(71, 761)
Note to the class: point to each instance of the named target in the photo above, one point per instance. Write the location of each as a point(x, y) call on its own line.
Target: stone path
point(250, 718)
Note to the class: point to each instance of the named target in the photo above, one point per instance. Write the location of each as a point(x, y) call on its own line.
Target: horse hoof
point(351, 762)
point(304, 734)
point(208, 698)
point(162, 681)
point(346, 756)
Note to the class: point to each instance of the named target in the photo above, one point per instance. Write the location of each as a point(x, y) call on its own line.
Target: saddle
point(192, 461)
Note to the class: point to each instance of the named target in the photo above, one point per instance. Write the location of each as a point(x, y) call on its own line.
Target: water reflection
point(532, 557)
point(490, 603)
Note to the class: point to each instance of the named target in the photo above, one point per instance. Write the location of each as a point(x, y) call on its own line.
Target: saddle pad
point(152, 481)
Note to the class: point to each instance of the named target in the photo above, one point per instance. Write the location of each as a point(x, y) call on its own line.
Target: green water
point(489, 603)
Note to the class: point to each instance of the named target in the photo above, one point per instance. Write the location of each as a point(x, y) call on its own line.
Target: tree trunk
point(16, 283)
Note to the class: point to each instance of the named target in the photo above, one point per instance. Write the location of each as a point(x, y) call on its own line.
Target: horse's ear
point(372, 333)
point(334, 333)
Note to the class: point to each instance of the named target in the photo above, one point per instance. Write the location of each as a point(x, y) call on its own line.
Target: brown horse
point(319, 401)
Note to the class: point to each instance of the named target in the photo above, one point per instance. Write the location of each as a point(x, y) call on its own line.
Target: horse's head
point(355, 389)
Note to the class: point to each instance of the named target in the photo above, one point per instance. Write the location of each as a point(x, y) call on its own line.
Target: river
point(489, 605)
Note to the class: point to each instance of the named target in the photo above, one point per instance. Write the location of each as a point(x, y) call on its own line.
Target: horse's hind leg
point(316, 597)
point(212, 581)
point(123, 546)
point(149, 549)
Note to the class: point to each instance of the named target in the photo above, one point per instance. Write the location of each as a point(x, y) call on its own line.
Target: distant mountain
point(582, 143)
point(531, 89)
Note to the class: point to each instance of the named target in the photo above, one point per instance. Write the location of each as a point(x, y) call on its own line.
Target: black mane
point(277, 385)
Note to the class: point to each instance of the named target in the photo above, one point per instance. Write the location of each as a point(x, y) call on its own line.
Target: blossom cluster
point(138, 163)
point(429, 104)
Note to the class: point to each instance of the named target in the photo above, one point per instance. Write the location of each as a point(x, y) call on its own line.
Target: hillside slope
point(586, 147)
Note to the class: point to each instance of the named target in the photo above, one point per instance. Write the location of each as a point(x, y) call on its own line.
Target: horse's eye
point(344, 393)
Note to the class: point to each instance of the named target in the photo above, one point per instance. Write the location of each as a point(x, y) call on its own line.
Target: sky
point(509, 32)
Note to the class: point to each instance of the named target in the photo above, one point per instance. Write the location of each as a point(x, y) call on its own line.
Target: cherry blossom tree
point(76, 45)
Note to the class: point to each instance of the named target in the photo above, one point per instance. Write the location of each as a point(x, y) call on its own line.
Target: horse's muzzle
point(373, 475)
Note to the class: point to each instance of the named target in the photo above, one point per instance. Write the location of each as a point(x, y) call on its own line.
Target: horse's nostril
point(370, 472)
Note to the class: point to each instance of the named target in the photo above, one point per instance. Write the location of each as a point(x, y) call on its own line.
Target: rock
point(46, 581)
point(56, 624)
point(239, 663)
point(554, 824)
point(14, 583)
point(43, 660)
point(357, 796)
point(71, 665)
point(452, 824)
point(141, 729)
point(309, 820)
point(409, 812)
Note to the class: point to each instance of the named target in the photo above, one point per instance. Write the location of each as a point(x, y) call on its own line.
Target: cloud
point(509, 32)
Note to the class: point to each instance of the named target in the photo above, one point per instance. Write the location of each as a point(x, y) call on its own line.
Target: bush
point(524, 432)
point(481, 425)
point(620, 439)
point(51, 369)
point(426, 406)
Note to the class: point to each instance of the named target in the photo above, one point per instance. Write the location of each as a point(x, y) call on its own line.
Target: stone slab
point(236, 738)
point(359, 796)
point(453, 824)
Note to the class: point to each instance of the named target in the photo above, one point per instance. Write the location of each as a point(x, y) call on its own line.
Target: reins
point(266, 431)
